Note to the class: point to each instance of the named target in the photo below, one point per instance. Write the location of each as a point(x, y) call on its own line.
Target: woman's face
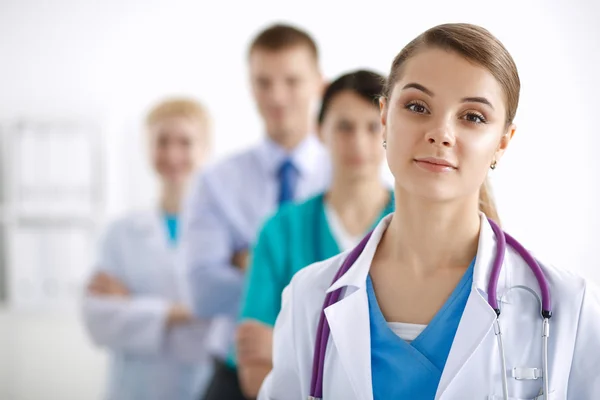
point(178, 146)
point(445, 124)
point(351, 130)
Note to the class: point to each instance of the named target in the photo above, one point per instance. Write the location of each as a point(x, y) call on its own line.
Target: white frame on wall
point(59, 220)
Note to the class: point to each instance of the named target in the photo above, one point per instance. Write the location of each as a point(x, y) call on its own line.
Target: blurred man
point(231, 201)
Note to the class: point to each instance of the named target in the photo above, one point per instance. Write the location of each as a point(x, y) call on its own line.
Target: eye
point(344, 126)
point(475, 118)
point(375, 127)
point(162, 142)
point(292, 82)
point(263, 83)
point(185, 142)
point(417, 107)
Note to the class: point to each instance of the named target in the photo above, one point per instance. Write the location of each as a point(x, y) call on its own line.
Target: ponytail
point(487, 205)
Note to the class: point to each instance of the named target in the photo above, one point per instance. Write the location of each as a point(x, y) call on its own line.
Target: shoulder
point(310, 284)
point(568, 289)
point(232, 166)
point(562, 281)
point(230, 178)
point(130, 223)
point(301, 209)
point(293, 212)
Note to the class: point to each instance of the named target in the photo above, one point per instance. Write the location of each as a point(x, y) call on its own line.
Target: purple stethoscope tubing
point(502, 239)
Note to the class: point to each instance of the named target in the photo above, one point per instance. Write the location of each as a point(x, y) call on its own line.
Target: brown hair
point(282, 37)
point(477, 45)
point(179, 107)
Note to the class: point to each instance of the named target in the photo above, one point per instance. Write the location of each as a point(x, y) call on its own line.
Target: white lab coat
point(148, 361)
point(473, 367)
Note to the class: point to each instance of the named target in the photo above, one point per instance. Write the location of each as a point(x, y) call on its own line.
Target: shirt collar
point(304, 156)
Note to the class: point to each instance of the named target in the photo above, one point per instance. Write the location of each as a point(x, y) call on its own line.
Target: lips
point(433, 164)
point(436, 161)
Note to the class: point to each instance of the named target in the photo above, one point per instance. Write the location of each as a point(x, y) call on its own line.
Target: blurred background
point(77, 77)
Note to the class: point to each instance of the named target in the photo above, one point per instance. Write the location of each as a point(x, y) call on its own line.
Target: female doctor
point(135, 305)
point(422, 309)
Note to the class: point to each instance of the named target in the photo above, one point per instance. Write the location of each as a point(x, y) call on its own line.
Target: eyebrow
point(481, 100)
point(418, 86)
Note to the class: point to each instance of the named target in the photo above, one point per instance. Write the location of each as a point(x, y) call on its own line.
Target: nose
point(173, 154)
point(441, 135)
point(277, 93)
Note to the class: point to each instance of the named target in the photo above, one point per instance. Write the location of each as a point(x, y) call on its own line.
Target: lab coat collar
point(150, 225)
point(350, 313)
point(357, 275)
point(148, 221)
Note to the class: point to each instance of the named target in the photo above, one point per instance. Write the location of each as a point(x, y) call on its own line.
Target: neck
point(289, 140)
point(426, 236)
point(170, 199)
point(357, 202)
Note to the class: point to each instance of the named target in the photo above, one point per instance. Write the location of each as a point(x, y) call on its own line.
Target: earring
point(385, 144)
point(493, 166)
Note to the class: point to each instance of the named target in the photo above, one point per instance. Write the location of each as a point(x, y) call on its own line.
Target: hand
point(251, 378)
point(103, 284)
point(240, 259)
point(179, 314)
point(254, 342)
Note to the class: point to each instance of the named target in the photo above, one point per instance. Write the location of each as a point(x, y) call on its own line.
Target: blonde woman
point(135, 307)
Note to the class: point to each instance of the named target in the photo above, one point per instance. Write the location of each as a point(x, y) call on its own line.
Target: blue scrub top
point(172, 224)
point(413, 371)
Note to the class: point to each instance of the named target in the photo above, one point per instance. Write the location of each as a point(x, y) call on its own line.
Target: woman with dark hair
point(323, 226)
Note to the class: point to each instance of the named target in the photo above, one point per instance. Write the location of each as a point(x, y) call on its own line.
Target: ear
point(504, 142)
point(383, 116)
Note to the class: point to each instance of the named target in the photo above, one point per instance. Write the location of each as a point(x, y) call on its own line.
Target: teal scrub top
point(296, 236)
point(172, 224)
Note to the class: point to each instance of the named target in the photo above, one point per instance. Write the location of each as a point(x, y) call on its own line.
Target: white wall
point(48, 356)
point(109, 60)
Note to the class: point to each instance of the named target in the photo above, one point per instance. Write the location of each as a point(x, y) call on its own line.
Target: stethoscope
point(502, 238)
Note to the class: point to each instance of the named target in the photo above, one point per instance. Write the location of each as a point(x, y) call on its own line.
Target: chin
point(431, 191)
point(175, 181)
point(360, 174)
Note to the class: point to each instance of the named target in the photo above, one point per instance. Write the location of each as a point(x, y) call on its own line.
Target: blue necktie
point(288, 177)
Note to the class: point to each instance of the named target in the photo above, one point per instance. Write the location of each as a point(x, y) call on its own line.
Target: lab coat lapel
point(478, 317)
point(351, 338)
point(349, 319)
point(476, 323)
point(151, 227)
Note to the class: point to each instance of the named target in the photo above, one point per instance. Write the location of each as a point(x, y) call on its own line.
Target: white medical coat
point(148, 361)
point(473, 368)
